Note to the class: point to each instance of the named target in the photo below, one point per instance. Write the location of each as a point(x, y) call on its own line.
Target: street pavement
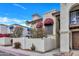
point(10, 51)
point(5, 54)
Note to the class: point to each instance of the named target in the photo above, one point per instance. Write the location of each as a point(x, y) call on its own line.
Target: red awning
point(4, 35)
point(39, 24)
point(48, 21)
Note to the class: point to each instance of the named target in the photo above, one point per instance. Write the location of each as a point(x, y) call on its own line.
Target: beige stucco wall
point(55, 26)
point(64, 26)
point(49, 15)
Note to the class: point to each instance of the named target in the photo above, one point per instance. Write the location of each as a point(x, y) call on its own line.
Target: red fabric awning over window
point(48, 21)
point(39, 24)
point(4, 35)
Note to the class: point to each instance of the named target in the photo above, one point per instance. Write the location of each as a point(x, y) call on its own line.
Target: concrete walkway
point(19, 52)
point(76, 52)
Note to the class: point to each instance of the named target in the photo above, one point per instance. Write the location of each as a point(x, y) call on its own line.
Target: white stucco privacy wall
point(15, 40)
point(41, 44)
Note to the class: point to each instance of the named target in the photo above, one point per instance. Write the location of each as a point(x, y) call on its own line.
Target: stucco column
point(64, 28)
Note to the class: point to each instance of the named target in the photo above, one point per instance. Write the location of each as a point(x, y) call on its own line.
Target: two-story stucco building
point(4, 35)
point(69, 26)
point(50, 22)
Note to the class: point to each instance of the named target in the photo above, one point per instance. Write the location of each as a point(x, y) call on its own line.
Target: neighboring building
point(69, 27)
point(35, 18)
point(7, 30)
point(25, 32)
point(4, 29)
point(4, 35)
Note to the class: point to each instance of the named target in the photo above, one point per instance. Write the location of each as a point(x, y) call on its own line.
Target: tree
point(41, 33)
point(33, 32)
point(17, 32)
point(26, 22)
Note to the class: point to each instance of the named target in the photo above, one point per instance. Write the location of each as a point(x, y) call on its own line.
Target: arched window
point(49, 29)
point(48, 23)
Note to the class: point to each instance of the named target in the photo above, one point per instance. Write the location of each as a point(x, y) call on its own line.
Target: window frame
point(77, 21)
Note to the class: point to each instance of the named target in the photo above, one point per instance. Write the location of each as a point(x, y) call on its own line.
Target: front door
point(75, 40)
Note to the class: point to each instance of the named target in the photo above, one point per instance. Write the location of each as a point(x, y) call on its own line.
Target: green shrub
point(17, 32)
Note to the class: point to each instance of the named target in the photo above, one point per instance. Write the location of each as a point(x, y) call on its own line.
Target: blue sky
point(11, 13)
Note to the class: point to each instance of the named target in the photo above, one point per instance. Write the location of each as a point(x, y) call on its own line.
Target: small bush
point(33, 47)
point(17, 45)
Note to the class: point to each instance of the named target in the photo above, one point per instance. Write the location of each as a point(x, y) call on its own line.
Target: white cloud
point(18, 5)
point(16, 20)
point(23, 24)
point(4, 19)
point(7, 20)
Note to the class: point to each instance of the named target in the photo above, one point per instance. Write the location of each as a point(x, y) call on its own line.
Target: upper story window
point(49, 29)
point(74, 17)
point(77, 16)
point(48, 23)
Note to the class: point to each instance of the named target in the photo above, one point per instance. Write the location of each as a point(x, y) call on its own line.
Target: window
point(77, 16)
point(49, 29)
point(74, 17)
